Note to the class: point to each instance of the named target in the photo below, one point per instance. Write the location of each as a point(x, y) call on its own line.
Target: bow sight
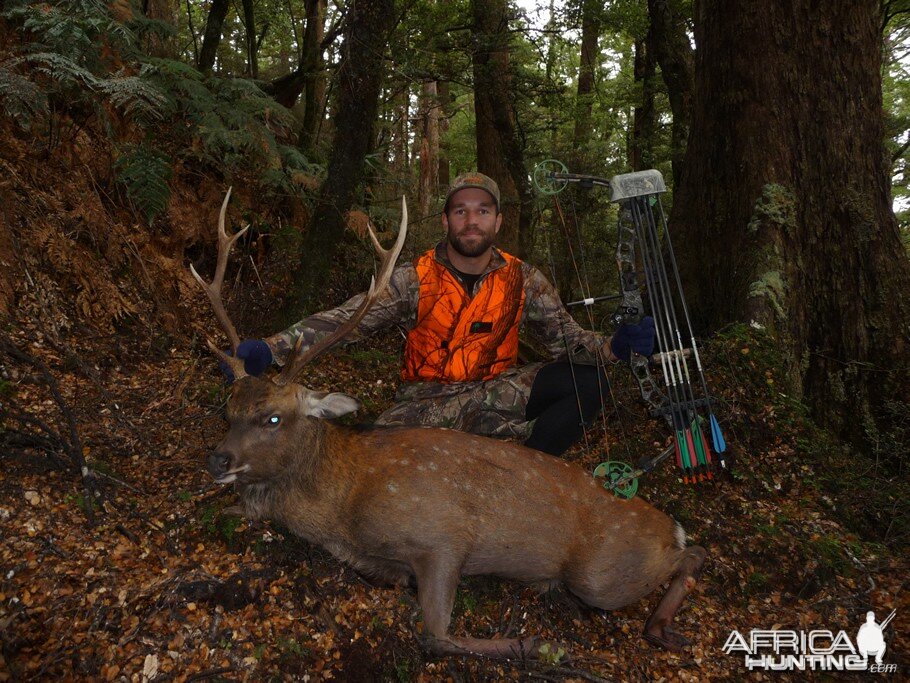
point(685, 404)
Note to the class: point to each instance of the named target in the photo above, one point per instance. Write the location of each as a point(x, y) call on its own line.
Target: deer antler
point(213, 290)
point(378, 284)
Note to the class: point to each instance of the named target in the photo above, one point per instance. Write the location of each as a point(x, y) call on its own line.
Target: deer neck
point(313, 482)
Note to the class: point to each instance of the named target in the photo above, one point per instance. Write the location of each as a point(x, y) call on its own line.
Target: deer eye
point(274, 419)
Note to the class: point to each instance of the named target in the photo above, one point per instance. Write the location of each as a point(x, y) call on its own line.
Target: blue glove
point(638, 338)
point(256, 356)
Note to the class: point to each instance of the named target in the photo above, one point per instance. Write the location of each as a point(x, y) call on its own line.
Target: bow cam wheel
point(614, 472)
point(543, 176)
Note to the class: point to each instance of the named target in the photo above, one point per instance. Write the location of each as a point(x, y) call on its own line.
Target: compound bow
point(641, 226)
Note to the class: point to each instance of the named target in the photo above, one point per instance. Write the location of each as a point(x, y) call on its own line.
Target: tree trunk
point(644, 117)
point(499, 149)
point(359, 79)
point(398, 145)
point(249, 22)
point(164, 11)
point(550, 102)
point(673, 53)
point(445, 103)
point(429, 149)
point(564, 249)
point(783, 213)
point(214, 25)
point(314, 85)
point(584, 102)
point(286, 89)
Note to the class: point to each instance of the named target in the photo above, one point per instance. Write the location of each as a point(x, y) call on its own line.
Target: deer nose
point(219, 463)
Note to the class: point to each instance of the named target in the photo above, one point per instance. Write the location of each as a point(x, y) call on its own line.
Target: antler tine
point(225, 243)
point(388, 257)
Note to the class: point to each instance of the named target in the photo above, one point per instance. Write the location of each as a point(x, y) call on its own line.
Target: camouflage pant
point(495, 407)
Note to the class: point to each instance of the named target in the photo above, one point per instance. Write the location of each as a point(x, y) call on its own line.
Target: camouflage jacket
point(544, 318)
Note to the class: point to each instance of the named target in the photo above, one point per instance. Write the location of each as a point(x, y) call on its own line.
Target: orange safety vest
point(459, 338)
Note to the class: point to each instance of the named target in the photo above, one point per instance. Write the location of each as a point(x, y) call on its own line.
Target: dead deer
point(432, 505)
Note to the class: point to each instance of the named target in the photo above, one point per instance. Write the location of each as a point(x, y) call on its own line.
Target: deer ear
point(331, 405)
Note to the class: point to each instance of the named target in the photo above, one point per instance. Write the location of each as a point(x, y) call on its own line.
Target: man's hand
point(256, 356)
point(638, 338)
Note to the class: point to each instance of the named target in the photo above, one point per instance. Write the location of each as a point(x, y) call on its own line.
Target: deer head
point(267, 415)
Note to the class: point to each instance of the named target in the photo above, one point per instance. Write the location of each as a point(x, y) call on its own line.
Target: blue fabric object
point(638, 338)
point(256, 356)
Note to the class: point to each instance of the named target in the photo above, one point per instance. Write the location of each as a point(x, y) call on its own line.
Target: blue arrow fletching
point(716, 436)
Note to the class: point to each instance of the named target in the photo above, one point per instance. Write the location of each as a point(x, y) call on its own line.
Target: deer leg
point(657, 628)
point(436, 586)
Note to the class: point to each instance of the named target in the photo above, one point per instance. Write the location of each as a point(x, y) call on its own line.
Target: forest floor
point(163, 586)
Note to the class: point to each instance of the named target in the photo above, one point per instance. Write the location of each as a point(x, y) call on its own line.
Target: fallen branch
point(69, 443)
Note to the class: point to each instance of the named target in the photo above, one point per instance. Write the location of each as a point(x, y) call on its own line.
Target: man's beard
point(470, 250)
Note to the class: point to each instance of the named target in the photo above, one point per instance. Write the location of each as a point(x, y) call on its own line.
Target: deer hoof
point(667, 639)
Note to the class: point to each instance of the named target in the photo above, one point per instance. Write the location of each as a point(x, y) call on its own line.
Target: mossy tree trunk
point(358, 80)
point(166, 12)
point(783, 213)
point(249, 24)
point(443, 91)
point(428, 183)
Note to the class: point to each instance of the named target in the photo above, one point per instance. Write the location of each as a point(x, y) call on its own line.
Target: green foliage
point(757, 583)
point(7, 388)
point(863, 487)
point(830, 555)
point(290, 648)
point(78, 60)
point(233, 125)
point(75, 28)
point(68, 62)
point(144, 172)
point(20, 97)
point(465, 602)
point(551, 655)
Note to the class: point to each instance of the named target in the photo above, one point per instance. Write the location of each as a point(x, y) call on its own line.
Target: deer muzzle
point(219, 465)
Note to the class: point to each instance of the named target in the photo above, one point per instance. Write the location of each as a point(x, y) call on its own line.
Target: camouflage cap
point(473, 179)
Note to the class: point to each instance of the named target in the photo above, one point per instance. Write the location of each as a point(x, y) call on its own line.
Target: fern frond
point(137, 97)
point(144, 172)
point(158, 66)
point(20, 99)
point(295, 160)
point(59, 68)
point(184, 85)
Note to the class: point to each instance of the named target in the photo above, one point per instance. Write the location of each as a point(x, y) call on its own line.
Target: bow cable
point(584, 285)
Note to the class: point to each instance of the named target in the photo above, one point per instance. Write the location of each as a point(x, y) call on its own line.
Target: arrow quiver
point(646, 261)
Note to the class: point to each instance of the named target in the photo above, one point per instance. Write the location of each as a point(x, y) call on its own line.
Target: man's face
point(471, 221)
